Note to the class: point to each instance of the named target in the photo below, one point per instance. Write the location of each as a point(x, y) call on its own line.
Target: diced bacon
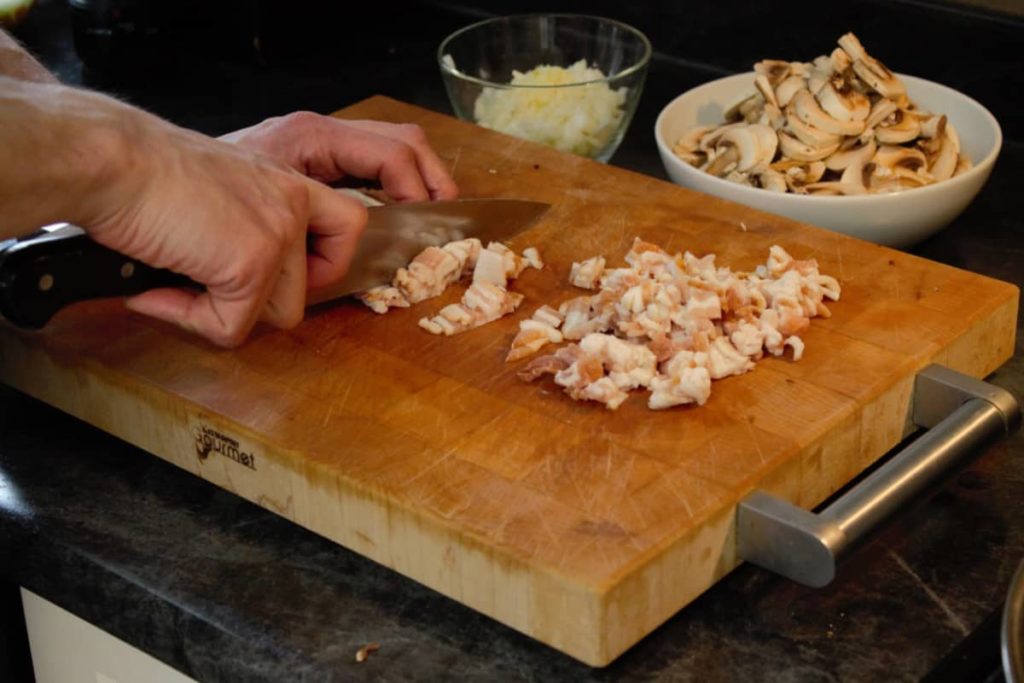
point(532, 257)
point(694, 320)
point(551, 364)
point(797, 344)
point(587, 274)
point(748, 339)
point(548, 316)
point(724, 360)
point(466, 252)
point(490, 267)
point(533, 335)
point(585, 370)
point(629, 365)
point(829, 286)
point(703, 304)
point(686, 380)
point(604, 391)
point(514, 263)
point(382, 298)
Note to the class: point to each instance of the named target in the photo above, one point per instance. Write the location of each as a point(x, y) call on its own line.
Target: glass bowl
point(568, 81)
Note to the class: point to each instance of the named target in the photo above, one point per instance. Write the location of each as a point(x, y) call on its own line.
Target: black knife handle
point(42, 274)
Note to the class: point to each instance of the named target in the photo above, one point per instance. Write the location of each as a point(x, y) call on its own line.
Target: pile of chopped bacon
point(671, 324)
point(435, 268)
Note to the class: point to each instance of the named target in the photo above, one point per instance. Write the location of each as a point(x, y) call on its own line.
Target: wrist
point(67, 151)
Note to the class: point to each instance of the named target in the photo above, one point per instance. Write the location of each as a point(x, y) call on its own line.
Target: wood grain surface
point(581, 527)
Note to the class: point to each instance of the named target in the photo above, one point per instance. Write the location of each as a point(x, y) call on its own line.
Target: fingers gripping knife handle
point(962, 415)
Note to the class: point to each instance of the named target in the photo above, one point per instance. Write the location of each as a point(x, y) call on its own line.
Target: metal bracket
point(962, 415)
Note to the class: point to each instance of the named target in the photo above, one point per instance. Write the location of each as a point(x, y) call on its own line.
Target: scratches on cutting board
point(455, 161)
point(950, 614)
point(753, 439)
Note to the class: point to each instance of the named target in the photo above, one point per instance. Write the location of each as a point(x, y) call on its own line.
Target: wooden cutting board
point(581, 527)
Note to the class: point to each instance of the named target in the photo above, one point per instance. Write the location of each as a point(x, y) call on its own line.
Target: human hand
point(229, 218)
point(329, 149)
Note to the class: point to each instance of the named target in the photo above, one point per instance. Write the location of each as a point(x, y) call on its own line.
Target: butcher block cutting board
point(582, 527)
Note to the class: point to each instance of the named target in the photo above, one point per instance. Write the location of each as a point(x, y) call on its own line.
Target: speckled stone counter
point(225, 591)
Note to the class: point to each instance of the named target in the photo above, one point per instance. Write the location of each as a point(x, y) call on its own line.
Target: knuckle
point(413, 133)
point(301, 119)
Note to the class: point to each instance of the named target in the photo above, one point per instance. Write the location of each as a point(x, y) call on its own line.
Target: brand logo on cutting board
point(211, 442)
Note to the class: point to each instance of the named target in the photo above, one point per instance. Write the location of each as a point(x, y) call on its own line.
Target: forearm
point(61, 150)
point(18, 63)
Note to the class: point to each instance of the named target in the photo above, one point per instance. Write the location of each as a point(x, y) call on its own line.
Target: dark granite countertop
point(225, 591)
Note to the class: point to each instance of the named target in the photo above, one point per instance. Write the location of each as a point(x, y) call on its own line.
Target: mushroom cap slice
point(880, 111)
point(756, 145)
point(708, 142)
point(943, 164)
point(933, 125)
point(835, 188)
point(785, 90)
point(765, 88)
point(844, 158)
point(870, 70)
point(842, 102)
point(774, 70)
point(807, 108)
point(901, 126)
point(963, 164)
point(901, 163)
point(801, 151)
point(746, 109)
point(769, 179)
point(808, 134)
point(690, 140)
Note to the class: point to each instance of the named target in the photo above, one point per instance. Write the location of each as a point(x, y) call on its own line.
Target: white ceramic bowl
point(899, 219)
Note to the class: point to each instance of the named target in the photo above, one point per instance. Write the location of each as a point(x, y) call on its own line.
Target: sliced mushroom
point(772, 116)
point(963, 165)
point(799, 174)
point(844, 158)
point(840, 60)
point(872, 71)
point(933, 126)
point(880, 111)
point(773, 69)
point(821, 71)
point(801, 151)
point(687, 147)
point(882, 185)
point(769, 179)
point(943, 163)
point(901, 126)
point(765, 88)
point(746, 109)
point(835, 188)
point(901, 163)
point(807, 108)
point(741, 149)
point(842, 102)
point(785, 90)
point(858, 173)
point(708, 142)
point(809, 135)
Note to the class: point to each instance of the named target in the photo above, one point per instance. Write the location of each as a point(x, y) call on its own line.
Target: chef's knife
point(44, 272)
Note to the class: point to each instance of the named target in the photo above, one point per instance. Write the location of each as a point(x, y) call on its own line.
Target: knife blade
point(60, 265)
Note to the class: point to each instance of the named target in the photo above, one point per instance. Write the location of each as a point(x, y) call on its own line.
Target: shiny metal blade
point(395, 233)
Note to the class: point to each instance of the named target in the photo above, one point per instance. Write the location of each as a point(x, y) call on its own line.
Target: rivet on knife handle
point(43, 274)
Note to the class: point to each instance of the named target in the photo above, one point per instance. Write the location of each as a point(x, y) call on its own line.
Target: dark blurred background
point(220, 65)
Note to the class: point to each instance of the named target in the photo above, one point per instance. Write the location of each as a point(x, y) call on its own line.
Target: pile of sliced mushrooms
point(842, 125)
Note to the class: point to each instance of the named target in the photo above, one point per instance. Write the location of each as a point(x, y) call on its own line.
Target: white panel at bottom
point(67, 649)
